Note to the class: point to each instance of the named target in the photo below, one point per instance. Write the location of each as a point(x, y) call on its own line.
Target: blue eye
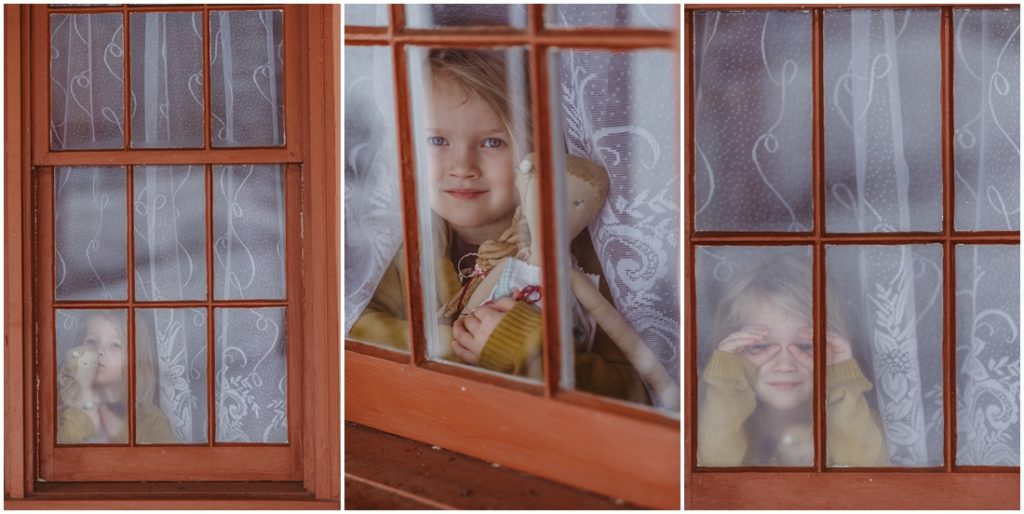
point(806, 348)
point(757, 348)
point(437, 141)
point(493, 142)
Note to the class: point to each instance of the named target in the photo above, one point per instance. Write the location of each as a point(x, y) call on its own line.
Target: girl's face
point(471, 164)
point(783, 382)
point(103, 336)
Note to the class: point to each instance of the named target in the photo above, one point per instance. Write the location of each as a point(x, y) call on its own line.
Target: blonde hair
point(145, 376)
point(489, 75)
point(785, 282)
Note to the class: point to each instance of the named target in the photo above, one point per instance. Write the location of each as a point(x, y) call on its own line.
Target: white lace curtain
point(883, 163)
point(617, 108)
point(166, 110)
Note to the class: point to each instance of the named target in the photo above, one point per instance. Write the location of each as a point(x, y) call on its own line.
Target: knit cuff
point(730, 366)
point(513, 341)
point(843, 372)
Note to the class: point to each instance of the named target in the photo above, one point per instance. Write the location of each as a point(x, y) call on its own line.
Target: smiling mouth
point(785, 386)
point(465, 194)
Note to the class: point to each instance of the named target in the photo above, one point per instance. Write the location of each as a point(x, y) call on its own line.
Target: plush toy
point(77, 373)
point(586, 190)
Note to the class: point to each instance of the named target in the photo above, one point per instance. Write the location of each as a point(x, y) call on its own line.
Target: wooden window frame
point(631, 453)
point(944, 487)
point(307, 473)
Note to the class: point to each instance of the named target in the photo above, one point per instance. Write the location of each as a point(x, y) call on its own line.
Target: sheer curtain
point(883, 174)
point(166, 111)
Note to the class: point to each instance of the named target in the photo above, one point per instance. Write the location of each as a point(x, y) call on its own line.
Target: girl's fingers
point(734, 343)
point(460, 335)
point(503, 304)
point(471, 322)
point(463, 354)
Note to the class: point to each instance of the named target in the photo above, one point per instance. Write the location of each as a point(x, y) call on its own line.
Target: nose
point(464, 164)
point(784, 362)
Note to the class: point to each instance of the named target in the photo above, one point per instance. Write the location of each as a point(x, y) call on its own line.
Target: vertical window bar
point(407, 181)
point(126, 81)
point(689, 280)
point(130, 320)
point(211, 343)
point(949, 267)
point(818, 190)
point(551, 329)
point(207, 117)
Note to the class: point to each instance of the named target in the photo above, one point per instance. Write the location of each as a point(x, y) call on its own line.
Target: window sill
point(170, 495)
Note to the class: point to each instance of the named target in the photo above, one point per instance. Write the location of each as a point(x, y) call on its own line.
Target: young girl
point(475, 136)
point(759, 382)
point(97, 413)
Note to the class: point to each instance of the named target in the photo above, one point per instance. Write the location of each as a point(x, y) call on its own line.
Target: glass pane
point(92, 378)
point(170, 376)
point(471, 130)
point(890, 298)
point(423, 16)
point(248, 231)
point(252, 380)
point(617, 116)
point(86, 81)
point(987, 355)
point(754, 309)
point(374, 283)
point(170, 233)
point(167, 80)
point(883, 161)
point(657, 16)
point(986, 98)
point(90, 220)
point(366, 15)
point(247, 78)
point(752, 112)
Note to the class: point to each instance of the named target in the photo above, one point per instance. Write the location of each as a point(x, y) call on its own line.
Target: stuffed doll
point(77, 374)
point(586, 190)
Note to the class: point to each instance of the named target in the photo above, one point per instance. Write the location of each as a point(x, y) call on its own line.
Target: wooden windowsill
point(170, 495)
point(384, 471)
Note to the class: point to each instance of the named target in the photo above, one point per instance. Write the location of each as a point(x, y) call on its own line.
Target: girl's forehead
point(101, 326)
point(761, 310)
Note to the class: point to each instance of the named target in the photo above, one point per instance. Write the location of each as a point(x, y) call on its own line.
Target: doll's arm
point(854, 435)
point(728, 403)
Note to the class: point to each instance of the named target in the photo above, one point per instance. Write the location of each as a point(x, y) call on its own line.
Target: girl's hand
point(837, 349)
point(470, 333)
point(750, 343)
point(112, 423)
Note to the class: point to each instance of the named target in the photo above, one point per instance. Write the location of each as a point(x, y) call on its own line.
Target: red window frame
point(587, 441)
point(821, 487)
point(305, 472)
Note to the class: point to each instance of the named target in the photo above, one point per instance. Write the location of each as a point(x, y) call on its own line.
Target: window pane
point(657, 16)
point(248, 231)
point(170, 376)
point(86, 81)
point(424, 16)
point(170, 233)
point(883, 161)
point(754, 307)
point(374, 273)
point(471, 130)
point(890, 299)
point(366, 15)
point(247, 78)
point(167, 80)
point(621, 179)
point(252, 380)
point(90, 221)
point(987, 116)
point(92, 378)
point(988, 355)
point(752, 112)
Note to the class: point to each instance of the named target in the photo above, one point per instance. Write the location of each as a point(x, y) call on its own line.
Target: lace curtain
point(169, 202)
point(883, 162)
point(616, 108)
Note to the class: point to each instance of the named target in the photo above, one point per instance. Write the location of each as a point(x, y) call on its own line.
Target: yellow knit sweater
point(75, 427)
point(514, 346)
point(854, 436)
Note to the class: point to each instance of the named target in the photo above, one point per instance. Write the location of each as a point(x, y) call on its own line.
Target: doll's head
point(475, 134)
point(777, 296)
point(78, 370)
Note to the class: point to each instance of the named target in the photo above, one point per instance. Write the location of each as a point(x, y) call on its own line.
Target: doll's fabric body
point(514, 346)
point(724, 438)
